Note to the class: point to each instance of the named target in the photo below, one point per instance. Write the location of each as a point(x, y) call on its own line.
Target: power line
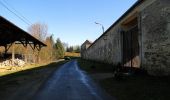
point(14, 13)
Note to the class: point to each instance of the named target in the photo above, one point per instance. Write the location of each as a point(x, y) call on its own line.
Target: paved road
point(70, 83)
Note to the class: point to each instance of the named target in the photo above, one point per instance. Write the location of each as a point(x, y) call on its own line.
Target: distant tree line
point(75, 49)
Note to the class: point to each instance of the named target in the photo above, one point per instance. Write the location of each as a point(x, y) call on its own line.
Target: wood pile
point(17, 63)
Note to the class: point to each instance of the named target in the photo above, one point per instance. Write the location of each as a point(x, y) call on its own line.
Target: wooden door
point(130, 48)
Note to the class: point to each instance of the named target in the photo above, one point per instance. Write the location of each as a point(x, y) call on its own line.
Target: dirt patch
point(101, 76)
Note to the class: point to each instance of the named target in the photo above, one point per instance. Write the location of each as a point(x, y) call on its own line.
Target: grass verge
point(136, 87)
point(10, 70)
point(25, 82)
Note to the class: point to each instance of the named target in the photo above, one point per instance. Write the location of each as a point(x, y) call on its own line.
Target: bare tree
point(38, 30)
point(65, 45)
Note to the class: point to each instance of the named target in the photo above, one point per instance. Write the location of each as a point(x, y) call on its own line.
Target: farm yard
point(85, 50)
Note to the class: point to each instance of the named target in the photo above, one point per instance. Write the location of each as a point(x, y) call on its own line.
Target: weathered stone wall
point(154, 39)
point(107, 49)
point(155, 25)
point(84, 47)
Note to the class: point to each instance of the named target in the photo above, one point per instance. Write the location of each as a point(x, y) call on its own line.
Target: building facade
point(84, 47)
point(140, 38)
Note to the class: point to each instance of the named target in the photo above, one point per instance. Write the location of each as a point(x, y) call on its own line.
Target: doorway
point(130, 44)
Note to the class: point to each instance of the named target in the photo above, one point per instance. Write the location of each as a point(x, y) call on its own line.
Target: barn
point(11, 35)
point(140, 38)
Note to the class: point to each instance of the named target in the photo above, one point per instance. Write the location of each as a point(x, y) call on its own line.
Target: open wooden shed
point(10, 35)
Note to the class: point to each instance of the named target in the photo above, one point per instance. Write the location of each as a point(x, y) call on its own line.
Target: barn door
point(130, 48)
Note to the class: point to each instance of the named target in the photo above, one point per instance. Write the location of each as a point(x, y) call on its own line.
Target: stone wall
point(154, 39)
point(155, 25)
point(107, 48)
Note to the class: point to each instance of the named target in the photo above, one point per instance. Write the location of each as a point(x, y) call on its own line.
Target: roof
point(10, 33)
point(87, 41)
point(124, 15)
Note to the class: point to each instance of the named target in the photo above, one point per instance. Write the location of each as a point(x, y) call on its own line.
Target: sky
point(73, 21)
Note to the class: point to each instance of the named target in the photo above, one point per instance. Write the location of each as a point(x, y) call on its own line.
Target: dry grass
point(72, 54)
point(9, 70)
point(22, 85)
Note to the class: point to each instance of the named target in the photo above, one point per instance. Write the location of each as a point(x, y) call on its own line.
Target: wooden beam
point(7, 47)
point(32, 47)
point(24, 44)
point(38, 47)
point(26, 54)
point(13, 53)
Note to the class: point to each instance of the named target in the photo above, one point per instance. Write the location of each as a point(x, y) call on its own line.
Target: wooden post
point(13, 53)
point(34, 56)
point(6, 49)
point(26, 54)
point(38, 57)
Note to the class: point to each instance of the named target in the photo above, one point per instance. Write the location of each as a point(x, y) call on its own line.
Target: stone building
point(139, 38)
point(84, 47)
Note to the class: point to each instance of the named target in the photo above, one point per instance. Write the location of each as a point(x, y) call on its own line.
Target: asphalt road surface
point(70, 83)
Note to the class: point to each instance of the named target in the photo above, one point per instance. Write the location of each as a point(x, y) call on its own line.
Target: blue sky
point(70, 20)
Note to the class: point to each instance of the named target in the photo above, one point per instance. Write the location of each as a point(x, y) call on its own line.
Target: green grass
point(135, 87)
